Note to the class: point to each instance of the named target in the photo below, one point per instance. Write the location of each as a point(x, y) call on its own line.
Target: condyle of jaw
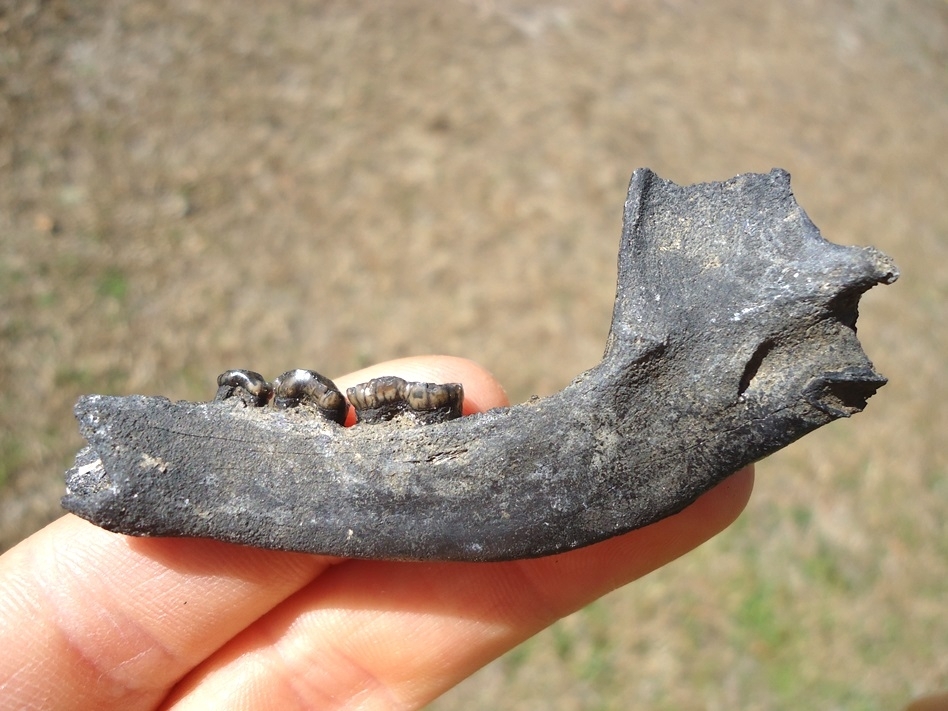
point(733, 334)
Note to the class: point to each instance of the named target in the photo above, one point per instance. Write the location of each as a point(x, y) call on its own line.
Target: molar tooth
point(300, 386)
point(388, 397)
point(247, 385)
point(445, 398)
point(358, 396)
point(422, 396)
point(379, 399)
point(388, 389)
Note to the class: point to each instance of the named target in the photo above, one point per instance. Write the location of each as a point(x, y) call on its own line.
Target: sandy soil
point(196, 185)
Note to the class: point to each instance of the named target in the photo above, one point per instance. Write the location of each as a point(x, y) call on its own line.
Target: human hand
point(92, 619)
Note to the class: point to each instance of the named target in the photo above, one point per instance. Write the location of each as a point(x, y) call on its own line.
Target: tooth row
point(292, 389)
point(377, 400)
point(383, 398)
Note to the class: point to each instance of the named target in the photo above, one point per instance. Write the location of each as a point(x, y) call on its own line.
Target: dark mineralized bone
point(733, 335)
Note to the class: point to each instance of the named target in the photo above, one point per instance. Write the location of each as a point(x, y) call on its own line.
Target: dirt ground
point(196, 185)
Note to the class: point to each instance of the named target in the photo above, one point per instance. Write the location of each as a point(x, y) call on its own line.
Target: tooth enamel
point(300, 386)
point(387, 397)
point(231, 383)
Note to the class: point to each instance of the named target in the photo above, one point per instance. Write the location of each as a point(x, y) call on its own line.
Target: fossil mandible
point(733, 334)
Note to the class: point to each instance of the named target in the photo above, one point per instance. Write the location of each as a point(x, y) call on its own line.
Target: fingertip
point(711, 513)
point(721, 506)
point(582, 575)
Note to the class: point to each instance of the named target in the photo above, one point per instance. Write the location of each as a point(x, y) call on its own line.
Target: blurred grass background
point(196, 185)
